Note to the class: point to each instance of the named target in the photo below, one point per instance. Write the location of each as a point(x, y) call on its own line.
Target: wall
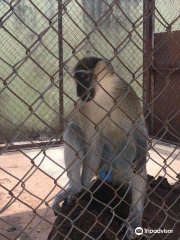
point(37, 73)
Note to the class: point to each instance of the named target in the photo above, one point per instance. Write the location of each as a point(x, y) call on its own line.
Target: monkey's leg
point(74, 153)
point(138, 189)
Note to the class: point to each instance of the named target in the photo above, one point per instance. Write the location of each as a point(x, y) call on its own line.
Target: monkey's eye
point(85, 76)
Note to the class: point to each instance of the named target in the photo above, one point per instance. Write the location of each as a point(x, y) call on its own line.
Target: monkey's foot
point(134, 228)
point(67, 195)
point(130, 234)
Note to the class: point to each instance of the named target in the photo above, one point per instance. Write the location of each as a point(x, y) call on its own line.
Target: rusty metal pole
point(60, 41)
point(148, 33)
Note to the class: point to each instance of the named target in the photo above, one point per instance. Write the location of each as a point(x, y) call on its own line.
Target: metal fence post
point(147, 59)
point(60, 41)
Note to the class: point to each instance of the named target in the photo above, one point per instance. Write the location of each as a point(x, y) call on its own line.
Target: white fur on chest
point(107, 118)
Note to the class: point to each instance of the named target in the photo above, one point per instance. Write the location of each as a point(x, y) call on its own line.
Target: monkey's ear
point(104, 65)
point(109, 66)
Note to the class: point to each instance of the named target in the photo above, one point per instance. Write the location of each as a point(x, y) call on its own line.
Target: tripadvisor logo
point(140, 231)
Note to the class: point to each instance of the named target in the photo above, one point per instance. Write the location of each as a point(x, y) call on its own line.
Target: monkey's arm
point(74, 154)
point(92, 161)
point(138, 181)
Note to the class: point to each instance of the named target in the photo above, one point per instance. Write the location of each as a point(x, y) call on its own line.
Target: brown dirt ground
point(161, 211)
point(21, 214)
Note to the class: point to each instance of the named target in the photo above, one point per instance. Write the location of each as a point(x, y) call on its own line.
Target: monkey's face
point(85, 89)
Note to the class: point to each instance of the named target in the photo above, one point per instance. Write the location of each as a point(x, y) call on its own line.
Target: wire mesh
point(41, 154)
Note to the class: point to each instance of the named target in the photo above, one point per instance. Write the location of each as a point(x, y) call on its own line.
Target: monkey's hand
point(67, 195)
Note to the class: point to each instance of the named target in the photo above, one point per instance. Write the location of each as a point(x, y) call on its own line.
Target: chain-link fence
point(78, 81)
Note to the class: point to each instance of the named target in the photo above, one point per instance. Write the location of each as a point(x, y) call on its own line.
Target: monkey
point(109, 140)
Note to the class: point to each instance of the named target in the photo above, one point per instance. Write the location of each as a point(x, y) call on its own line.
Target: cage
point(41, 43)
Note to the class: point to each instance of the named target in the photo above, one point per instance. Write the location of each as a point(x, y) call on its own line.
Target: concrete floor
point(157, 155)
point(38, 185)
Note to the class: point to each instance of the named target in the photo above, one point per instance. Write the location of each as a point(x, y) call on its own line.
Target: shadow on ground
point(26, 225)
